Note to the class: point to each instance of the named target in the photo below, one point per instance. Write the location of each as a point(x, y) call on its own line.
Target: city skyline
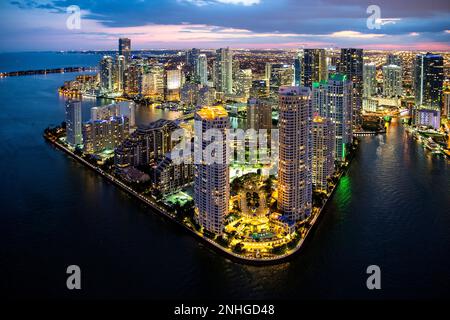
point(181, 24)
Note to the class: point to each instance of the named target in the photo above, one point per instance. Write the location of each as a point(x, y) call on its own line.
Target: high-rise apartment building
point(392, 81)
point(259, 114)
point(202, 69)
point(106, 74)
point(294, 166)
point(332, 100)
point(125, 49)
point(105, 112)
point(212, 179)
point(73, 123)
point(323, 152)
point(99, 135)
point(121, 65)
point(351, 65)
point(224, 71)
point(428, 80)
point(393, 59)
point(314, 66)
point(370, 80)
point(192, 58)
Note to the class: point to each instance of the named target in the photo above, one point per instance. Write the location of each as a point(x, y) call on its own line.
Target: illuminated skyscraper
point(121, 65)
point(351, 65)
point(428, 80)
point(224, 71)
point(212, 179)
point(192, 58)
point(393, 59)
point(259, 114)
point(132, 114)
point(125, 49)
point(298, 61)
point(99, 135)
point(446, 107)
point(281, 74)
point(105, 112)
point(106, 74)
point(392, 81)
point(260, 89)
point(173, 84)
point(202, 69)
point(323, 152)
point(314, 67)
point(152, 82)
point(243, 83)
point(294, 167)
point(332, 100)
point(370, 80)
point(173, 79)
point(73, 123)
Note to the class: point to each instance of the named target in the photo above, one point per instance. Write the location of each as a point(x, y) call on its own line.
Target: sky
point(29, 25)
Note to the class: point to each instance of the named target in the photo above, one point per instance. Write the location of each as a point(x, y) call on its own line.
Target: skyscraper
point(314, 67)
point(212, 180)
point(393, 59)
point(294, 167)
point(192, 58)
point(446, 106)
point(105, 112)
point(323, 152)
point(106, 74)
point(224, 71)
point(259, 114)
point(392, 81)
point(173, 84)
point(332, 100)
point(428, 80)
point(73, 123)
point(202, 69)
point(132, 114)
point(125, 49)
point(370, 81)
point(351, 65)
point(99, 135)
point(243, 83)
point(298, 61)
point(121, 65)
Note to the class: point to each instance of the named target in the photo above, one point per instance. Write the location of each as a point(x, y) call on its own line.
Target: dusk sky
point(41, 25)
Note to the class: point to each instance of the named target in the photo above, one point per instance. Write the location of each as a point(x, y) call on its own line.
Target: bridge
point(46, 71)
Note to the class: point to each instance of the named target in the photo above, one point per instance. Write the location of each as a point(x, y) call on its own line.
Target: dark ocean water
point(392, 209)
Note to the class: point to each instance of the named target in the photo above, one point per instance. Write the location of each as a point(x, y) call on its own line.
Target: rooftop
point(338, 77)
point(212, 112)
point(294, 91)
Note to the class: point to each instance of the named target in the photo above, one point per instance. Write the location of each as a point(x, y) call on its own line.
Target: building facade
point(224, 71)
point(392, 81)
point(99, 135)
point(212, 180)
point(370, 80)
point(294, 166)
point(73, 123)
point(323, 152)
point(351, 65)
